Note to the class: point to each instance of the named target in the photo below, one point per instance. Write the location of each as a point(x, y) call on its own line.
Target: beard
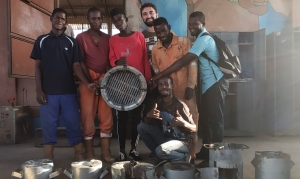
point(149, 24)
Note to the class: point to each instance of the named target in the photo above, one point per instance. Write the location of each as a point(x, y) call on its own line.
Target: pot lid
point(38, 163)
point(87, 164)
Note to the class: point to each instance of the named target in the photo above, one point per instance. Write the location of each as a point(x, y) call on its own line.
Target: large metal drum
point(272, 165)
point(123, 88)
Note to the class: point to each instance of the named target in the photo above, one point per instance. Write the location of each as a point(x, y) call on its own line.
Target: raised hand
point(154, 113)
point(178, 120)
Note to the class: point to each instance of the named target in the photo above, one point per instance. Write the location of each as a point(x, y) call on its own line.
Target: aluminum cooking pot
point(138, 170)
point(179, 170)
point(36, 169)
point(86, 170)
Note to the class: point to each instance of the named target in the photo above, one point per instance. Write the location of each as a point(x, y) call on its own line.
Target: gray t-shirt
point(150, 39)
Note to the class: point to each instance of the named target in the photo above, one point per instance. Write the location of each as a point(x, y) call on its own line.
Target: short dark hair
point(148, 5)
point(93, 9)
point(200, 15)
point(116, 11)
point(171, 79)
point(160, 21)
point(61, 10)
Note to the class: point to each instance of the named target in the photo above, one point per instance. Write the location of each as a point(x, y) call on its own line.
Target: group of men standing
point(167, 122)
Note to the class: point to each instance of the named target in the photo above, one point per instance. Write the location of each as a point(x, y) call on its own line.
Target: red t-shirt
point(134, 47)
point(95, 55)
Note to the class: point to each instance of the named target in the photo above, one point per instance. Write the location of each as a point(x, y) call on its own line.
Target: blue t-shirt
point(57, 55)
point(207, 45)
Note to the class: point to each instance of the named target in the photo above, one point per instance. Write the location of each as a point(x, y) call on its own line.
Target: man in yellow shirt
point(165, 52)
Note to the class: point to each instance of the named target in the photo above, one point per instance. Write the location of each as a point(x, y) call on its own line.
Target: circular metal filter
point(123, 88)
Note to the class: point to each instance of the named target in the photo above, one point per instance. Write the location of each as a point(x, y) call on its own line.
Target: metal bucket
point(86, 169)
point(138, 170)
point(272, 165)
point(36, 169)
point(228, 158)
point(179, 170)
point(123, 88)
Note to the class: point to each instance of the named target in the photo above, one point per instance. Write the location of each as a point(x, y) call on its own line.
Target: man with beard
point(168, 50)
point(128, 48)
point(168, 127)
point(214, 85)
point(57, 57)
point(94, 45)
point(148, 14)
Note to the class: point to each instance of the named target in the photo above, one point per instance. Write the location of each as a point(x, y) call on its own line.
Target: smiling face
point(59, 21)
point(195, 26)
point(162, 32)
point(148, 15)
point(120, 21)
point(95, 20)
point(165, 87)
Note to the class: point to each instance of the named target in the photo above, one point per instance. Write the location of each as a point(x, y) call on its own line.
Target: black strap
point(207, 57)
point(204, 54)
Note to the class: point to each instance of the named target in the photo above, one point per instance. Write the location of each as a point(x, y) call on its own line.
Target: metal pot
point(86, 169)
point(272, 165)
point(228, 158)
point(179, 170)
point(36, 169)
point(137, 170)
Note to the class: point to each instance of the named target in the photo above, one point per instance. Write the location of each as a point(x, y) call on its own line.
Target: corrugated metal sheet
point(79, 8)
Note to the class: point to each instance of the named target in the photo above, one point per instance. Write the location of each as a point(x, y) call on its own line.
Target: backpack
point(228, 63)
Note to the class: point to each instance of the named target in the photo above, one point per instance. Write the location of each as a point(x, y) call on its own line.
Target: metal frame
point(104, 93)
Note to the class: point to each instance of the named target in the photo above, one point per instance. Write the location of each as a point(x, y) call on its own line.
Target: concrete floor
point(12, 156)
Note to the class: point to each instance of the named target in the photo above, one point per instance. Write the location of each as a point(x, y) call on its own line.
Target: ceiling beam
point(87, 7)
point(84, 20)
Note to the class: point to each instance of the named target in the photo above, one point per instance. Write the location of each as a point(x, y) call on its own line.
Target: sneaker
point(133, 154)
point(122, 156)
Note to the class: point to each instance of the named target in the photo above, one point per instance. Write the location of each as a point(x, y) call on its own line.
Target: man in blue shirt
point(57, 57)
point(214, 85)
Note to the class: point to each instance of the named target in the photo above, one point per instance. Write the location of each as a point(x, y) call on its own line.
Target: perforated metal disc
point(123, 88)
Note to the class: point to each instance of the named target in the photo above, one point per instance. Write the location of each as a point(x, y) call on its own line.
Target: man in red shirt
point(128, 48)
point(95, 48)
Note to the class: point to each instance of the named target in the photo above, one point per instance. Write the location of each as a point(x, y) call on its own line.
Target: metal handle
point(103, 173)
point(213, 146)
point(56, 173)
point(66, 172)
point(17, 173)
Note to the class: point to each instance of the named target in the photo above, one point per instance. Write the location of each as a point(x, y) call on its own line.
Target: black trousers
point(212, 114)
point(135, 117)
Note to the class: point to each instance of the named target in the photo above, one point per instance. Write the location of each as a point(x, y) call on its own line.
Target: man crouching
point(168, 127)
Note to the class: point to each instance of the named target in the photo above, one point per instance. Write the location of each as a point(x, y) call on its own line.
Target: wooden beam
point(85, 21)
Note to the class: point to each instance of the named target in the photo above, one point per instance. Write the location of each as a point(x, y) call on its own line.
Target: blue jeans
point(66, 105)
point(164, 147)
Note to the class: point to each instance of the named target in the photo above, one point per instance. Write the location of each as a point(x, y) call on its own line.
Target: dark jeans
point(212, 115)
point(135, 117)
